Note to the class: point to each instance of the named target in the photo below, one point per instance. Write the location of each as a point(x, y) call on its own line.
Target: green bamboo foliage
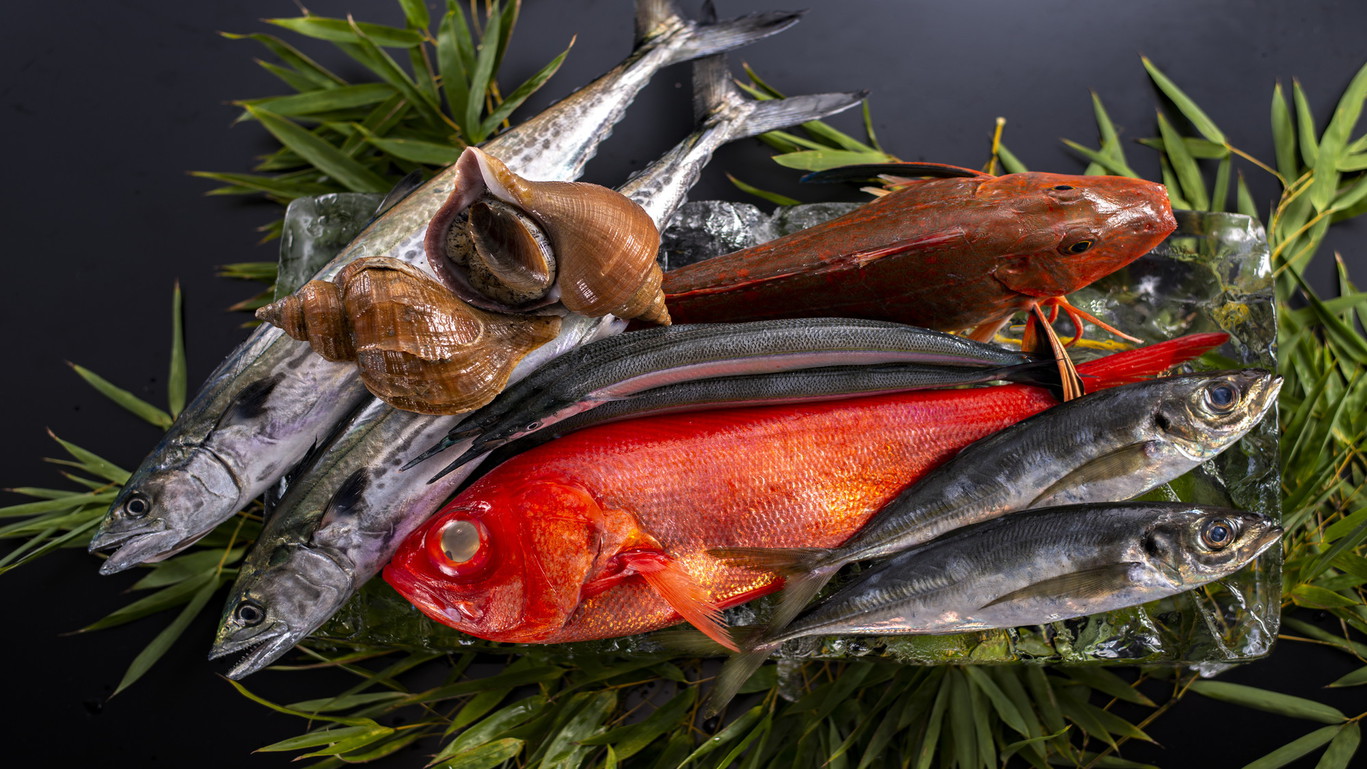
point(434, 91)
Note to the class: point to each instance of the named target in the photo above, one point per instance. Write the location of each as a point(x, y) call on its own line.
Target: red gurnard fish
point(605, 532)
point(962, 253)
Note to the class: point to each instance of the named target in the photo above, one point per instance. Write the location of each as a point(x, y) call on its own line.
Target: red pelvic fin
point(683, 594)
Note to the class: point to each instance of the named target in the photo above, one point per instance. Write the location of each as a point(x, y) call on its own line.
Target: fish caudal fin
point(802, 568)
point(659, 17)
point(738, 669)
point(685, 596)
point(717, 100)
point(1135, 365)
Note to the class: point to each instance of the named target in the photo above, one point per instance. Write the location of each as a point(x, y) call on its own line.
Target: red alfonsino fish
point(605, 532)
point(962, 253)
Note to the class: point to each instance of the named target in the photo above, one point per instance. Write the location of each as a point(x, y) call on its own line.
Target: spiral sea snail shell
point(602, 244)
point(418, 347)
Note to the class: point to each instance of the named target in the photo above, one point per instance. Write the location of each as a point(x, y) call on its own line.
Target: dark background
point(107, 105)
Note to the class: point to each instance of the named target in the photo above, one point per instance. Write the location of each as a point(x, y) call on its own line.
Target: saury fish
point(346, 514)
point(958, 253)
point(1029, 568)
point(548, 546)
point(272, 399)
point(622, 366)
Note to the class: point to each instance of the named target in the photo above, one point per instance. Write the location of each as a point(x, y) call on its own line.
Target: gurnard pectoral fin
point(1045, 343)
point(1078, 585)
point(683, 594)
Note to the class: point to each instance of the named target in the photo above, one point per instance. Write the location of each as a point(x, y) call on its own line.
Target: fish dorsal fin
point(866, 171)
point(1085, 584)
point(403, 189)
point(1122, 462)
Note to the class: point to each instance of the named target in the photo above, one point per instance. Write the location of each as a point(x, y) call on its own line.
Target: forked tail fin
point(695, 39)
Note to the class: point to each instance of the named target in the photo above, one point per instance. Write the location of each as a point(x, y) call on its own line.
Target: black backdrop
point(108, 105)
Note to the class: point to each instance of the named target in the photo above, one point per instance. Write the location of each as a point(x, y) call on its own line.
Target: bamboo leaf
point(493, 725)
point(154, 650)
point(481, 77)
point(520, 94)
point(323, 101)
point(1244, 200)
point(247, 183)
point(934, 726)
point(590, 710)
point(1305, 126)
point(1198, 118)
point(1106, 682)
point(37, 547)
point(820, 160)
point(1010, 163)
point(486, 756)
point(1111, 164)
point(455, 59)
point(772, 197)
point(69, 502)
point(1184, 166)
point(175, 379)
point(415, 12)
point(1197, 148)
point(369, 53)
point(1220, 195)
point(1295, 749)
point(343, 31)
point(427, 153)
point(328, 736)
point(732, 731)
point(93, 463)
point(325, 156)
point(1284, 135)
point(1272, 702)
point(300, 64)
point(127, 400)
point(1335, 139)
point(1342, 748)
point(172, 596)
point(1356, 678)
point(631, 739)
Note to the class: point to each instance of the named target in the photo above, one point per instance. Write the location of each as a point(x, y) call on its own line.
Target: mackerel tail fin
point(661, 17)
point(717, 101)
point(1134, 365)
point(805, 570)
point(738, 669)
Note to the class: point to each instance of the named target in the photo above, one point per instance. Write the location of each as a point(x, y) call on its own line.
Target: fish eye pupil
point(1218, 534)
point(137, 506)
point(249, 613)
point(1062, 187)
point(460, 542)
point(1221, 397)
point(533, 426)
point(1079, 247)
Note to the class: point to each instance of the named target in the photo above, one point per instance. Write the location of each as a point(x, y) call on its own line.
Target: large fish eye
point(460, 541)
point(1061, 187)
point(1222, 397)
point(249, 613)
point(137, 505)
point(1218, 533)
point(460, 548)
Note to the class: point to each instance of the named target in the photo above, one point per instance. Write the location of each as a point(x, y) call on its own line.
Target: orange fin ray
point(684, 595)
point(1069, 378)
point(1077, 315)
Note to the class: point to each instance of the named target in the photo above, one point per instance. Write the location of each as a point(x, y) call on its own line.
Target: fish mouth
point(259, 649)
point(153, 542)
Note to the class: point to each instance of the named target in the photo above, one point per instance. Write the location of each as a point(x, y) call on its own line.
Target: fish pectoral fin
point(1088, 583)
point(684, 595)
point(1122, 462)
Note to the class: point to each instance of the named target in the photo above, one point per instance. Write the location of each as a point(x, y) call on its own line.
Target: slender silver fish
point(273, 399)
point(1107, 445)
point(344, 517)
point(618, 367)
point(1029, 568)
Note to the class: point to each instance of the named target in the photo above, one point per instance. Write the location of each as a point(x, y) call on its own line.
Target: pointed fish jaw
point(156, 513)
point(278, 607)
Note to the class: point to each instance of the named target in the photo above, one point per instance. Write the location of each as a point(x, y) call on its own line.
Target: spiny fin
point(1085, 584)
point(685, 596)
point(733, 675)
point(1116, 464)
point(863, 172)
point(1070, 382)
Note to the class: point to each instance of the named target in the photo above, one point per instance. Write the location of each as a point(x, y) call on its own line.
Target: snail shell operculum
point(508, 257)
point(418, 347)
point(604, 245)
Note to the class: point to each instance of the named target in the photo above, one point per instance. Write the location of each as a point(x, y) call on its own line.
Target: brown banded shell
point(604, 244)
point(418, 347)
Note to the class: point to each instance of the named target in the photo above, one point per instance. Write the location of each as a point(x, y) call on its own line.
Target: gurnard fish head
point(155, 515)
point(1193, 546)
point(506, 562)
point(273, 610)
point(1205, 413)
point(1075, 229)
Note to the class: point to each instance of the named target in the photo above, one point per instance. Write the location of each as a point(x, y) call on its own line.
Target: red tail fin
point(1145, 362)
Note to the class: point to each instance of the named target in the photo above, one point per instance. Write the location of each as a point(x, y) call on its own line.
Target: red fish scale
point(782, 476)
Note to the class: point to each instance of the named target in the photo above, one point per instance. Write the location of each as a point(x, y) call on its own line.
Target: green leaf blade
point(1272, 702)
